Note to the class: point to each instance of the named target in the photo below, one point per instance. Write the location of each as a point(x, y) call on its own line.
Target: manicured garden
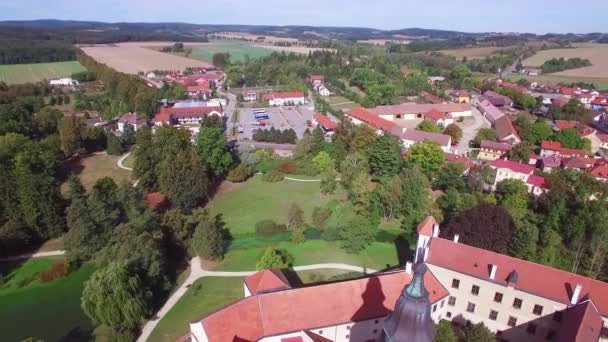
point(49, 311)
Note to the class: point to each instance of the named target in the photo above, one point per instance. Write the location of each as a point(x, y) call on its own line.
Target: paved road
point(33, 255)
point(197, 272)
point(230, 107)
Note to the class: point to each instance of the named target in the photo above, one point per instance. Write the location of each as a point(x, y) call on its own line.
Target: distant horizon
point(471, 16)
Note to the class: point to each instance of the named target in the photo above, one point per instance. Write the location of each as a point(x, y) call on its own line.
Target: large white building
point(517, 299)
point(285, 99)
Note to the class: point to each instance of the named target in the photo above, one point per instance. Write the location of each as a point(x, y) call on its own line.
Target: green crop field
point(237, 50)
point(26, 73)
point(50, 311)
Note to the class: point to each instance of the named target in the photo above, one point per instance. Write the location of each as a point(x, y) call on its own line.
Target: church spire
point(411, 320)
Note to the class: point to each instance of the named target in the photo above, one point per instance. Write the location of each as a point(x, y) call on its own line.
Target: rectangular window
point(448, 314)
point(455, 283)
point(538, 310)
point(434, 307)
point(531, 328)
point(517, 303)
point(470, 307)
point(475, 290)
point(493, 315)
point(452, 301)
point(498, 297)
point(442, 302)
point(512, 321)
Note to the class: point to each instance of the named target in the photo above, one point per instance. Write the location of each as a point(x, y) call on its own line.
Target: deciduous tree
point(384, 156)
point(184, 179)
point(428, 156)
point(274, 258)
point(207, 241)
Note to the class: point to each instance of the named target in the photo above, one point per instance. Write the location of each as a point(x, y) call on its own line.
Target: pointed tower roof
point(411, 320)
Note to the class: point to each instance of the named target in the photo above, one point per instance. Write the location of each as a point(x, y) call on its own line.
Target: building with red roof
point(132, 119)
point(361, 115)
point(508, 169)
point(517, 299)
point(548, 148)
point(325, 122)
point(498, 100)
point(199, 90)
point(582, 129)
point(185, 115)
point(285, 99)
point(491, 150)
point(410, 137)
point(505, 131)
point(458, 158)
point(412, 110)
point(440, 119)
point(488, 110)
point(430, 98)
point(316, 80)
point(460, 96)
point(599, 172)
point(514, 86)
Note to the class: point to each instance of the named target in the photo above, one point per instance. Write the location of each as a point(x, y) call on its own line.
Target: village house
point(603, 138)
point(63, 82)
point(556, 101)
point(599, 172)
point(460, 96)
point(316, 80)
point(328, 126)
point(498, 100)
point(439, 118)
point(489, 111)
point(411, 110)
point(132, 119)
point(323, 91)
point(508, 169)
point(517, 299)
point(202, 90)
point(536, 185)
point(551, 162)
point(430, 98)
point(185, 115)
point(548, 148)
point(514, 86)
point(578, 163)
point(460, 158)
point(491, 150)
point(505, 131)
point(285, 99)
point(410, 137)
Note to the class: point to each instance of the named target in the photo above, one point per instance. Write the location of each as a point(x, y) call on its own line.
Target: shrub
point(57, 270)
point(320, 216)
point(287, 167)
point(274, 258)
point(239, 174)
point(273, 177)
point(269, 227)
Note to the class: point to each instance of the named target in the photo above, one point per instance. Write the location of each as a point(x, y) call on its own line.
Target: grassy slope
point(237, 50)
point(601, 82)
point(204, 296)
point(53, 308)
point(92, 168)
point(256, 200)
point(23, 73)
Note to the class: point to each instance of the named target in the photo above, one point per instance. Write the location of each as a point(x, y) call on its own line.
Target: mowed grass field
point(244, 204)
point(30, 73)
point(341, 102)
point(237, 50)
point(94, 167)
point(596, 53)
point(50, 311)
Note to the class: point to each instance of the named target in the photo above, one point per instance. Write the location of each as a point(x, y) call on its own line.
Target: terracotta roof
point(305, 308)
point(577, 162)
point(420, 136)
point(556, 146)
point(371, 119)
point(559, 102)
point(266, 280)
point(167, 114)
point(514, 86)
point(435, 115)
point(456, 158)
point(534, 278)
point(132, 119)
point(537, 181)
point(430, 98)
point(426, 227)
point(292, 339)
point(417, 108)
point(492, 145)
point(325, 121)
point(553, 160)
point(580, 323)
point(489, 109)
point(534, 156)
point(198, 88)
point(563, 124)
point(497, 99)
point(513, 166)
point(505, 129)
point(550, 145)
point(287, 95)
point(600, 171)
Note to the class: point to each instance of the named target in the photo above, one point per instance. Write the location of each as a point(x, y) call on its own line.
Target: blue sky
point(537, 16)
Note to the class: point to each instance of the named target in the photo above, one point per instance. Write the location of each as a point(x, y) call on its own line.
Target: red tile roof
point(534, 278)
point(456, 158)
point(600, 171)
point(420, 136)
point(325, 121)
point(167, 114)
point(426, 227)
point(496, 146)
point(266, 280)
point(563, 124)
point(513, 166)
point(553, 160)
point(430, 98)
point(371, 119)
point(580, 323)
point(287, 95)
point(505, 130)
point(156, 200)
point(556, 146)
point(435, 115)
point(305, 308)
point(417, 108)
point(514, 86)
point(537, 181)
point(292, 339)
point(198, 88)
point(577, 162)
point(132, 119)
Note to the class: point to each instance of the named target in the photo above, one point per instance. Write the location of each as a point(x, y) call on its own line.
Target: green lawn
point(24, 73)
point(94, 167)
point(48, 311)
point(600, 82)
point(129, 161)
point(237, 50)
point(204, 296)
point(255, 200)
point(378, 255)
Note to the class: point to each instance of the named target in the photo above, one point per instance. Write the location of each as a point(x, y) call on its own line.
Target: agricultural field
point(237, 50)
point(251, 36)
point(26, 301)
point(294, 49)
point(472, 53)
point(30, 73)
point(600, 82)
point(340, 102)
point(596, 53)
point(94, 167)
point(135, 57)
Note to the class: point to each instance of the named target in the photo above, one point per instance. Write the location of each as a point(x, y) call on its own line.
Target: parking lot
point(297, 118)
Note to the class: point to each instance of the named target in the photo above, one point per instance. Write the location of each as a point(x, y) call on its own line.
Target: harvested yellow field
point(295, 49)
point(135, 57)
point(473, 53)
point(250, 36)
point(596, 53)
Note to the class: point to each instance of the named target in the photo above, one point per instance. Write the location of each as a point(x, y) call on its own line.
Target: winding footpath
point(33, 255)
point(197, 272)
point(122, 159)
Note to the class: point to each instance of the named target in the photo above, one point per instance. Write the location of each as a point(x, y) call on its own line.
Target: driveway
point(470, 126)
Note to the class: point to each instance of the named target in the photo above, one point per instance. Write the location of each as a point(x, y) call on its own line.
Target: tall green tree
point(416, 199)
point(356, 234)
point(207, 241)
point(513, 195)
point(274, 258)
point(213, 150)
point(184, 179)
point(445, 332)
point(70, 130)
point(428, 156)
point(384, 156)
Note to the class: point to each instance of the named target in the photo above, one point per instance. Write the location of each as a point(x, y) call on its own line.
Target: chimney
point(493, 272)
point(456, 237)
point(426, 253)
point(435, 230)
point(576, 294)
point(408, 267)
